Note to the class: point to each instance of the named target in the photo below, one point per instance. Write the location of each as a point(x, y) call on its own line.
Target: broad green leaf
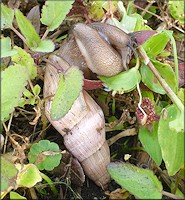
point(54, 12)
point(45, 155)
point(15, 195)
point(177, 10)
point(171, 142)
point(28, 175)
point(27, 29)
point(7, 16)
point(68, 91)
point(156, 43)
point(44, 46)
point(129, 23)
point(151, 81)
point(149, 140)
point(6, 49)
point(140, 182)
point(177, 124)
point(23, 58)
point(13, 82)
point(123, 82)
point(8, 174)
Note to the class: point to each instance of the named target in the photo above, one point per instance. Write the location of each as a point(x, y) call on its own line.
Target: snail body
point(83, 127)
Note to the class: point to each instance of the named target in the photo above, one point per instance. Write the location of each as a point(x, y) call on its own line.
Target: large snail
point(90, 47)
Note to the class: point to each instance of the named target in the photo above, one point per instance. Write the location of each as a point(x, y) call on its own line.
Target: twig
point(21, 36)
point(163, 83)
point(160, 18)
point(147, 7)
point(173, 196)
point(128, 132)
point(45, 34)
point(58, 68)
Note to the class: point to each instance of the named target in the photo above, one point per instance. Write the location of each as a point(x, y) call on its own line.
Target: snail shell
point(83, 128)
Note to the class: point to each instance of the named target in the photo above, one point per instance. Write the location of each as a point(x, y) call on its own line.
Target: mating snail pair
point(104, 50)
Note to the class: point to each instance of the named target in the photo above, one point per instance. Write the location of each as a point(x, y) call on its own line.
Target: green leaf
point(15, 195)
point(151, 81)
point(26, 60)
point(45, 155)
point(36, 89)
point(149, 140)
point(6, 49)
point(129, 22)
point(171, 141)
point(54, 12)
point(140, 182)
point(177, 10)
point(8, 174)
point(148, 94)
point(28, 175)
point(140, 24)
point(28, 94)
point(156, 43)
point(123, 82)
point(44, 46)
point(7, 16)
point(181, 94)
point(27, 29)
point(68, 91)
point(13, 82)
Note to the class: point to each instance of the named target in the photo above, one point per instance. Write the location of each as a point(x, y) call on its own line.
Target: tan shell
point(83, 128)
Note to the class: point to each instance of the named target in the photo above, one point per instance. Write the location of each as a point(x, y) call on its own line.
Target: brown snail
point(83, 127)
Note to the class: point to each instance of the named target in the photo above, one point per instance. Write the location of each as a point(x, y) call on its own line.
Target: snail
point(83, 127)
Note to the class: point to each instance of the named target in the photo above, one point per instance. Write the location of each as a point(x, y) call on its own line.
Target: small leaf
point(177, 10)
point(156, 43)
point(34, 17)
point(8, 174)
point(45, 155)
point(27, 29)
point(13, 82)
point(28, 94)
point(26, 60)
point(44, 46)
point(151, 81)
point(171, 141)
point(36, 89)
point(68, 91)
point(149, 140)
point(6, 49)
point(15, 195)
point(140, 182)
point(28, 175)
point(54, 12)
point(7, 16)
point(123, 82)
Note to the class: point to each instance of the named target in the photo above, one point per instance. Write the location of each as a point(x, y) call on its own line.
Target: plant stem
point(163, 83)
point(173, 196)
point(175, 56)
point(50, 182)
point(45, 34)
point(128, 132)
point(19, 34)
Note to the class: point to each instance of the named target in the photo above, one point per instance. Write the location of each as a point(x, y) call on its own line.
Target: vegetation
point(144, 103)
